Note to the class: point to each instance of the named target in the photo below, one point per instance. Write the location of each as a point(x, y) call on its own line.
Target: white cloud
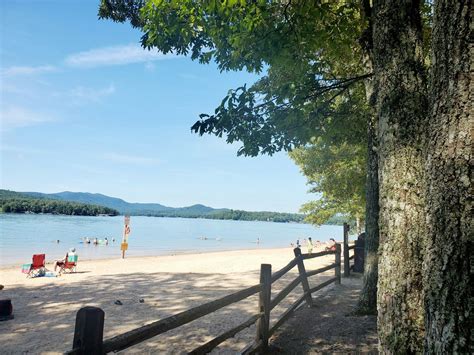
point(115, 55)
point(22, 150)
point(28, 70)
point(16, 117)
point(188, 76)
point(149, 66)
point(130, 159)
point(81, 93)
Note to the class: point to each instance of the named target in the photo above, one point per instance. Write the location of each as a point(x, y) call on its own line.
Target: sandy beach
point(45, 307)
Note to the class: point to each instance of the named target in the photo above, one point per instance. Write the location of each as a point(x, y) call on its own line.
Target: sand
point(45, 307)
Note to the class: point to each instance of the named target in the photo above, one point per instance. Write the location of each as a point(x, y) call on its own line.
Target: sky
point(84, 108)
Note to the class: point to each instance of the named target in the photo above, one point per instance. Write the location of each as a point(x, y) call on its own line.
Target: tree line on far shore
point(239, 215)
point(15, 202)
point(12, 202)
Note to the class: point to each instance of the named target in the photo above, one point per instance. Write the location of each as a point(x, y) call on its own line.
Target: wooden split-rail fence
point(89, 328)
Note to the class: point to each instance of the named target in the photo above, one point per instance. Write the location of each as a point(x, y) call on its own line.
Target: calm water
point(21, 236)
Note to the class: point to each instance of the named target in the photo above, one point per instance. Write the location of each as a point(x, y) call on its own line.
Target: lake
point(22, 235)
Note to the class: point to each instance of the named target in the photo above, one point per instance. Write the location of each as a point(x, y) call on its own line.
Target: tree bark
point(401, 111)
point(367, 303)
point(368, 297)
point(449, 267)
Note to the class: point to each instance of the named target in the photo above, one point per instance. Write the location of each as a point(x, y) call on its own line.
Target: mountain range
point(124, 207)
point(85, 203)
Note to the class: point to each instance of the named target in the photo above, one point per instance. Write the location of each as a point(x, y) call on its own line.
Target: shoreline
point(8, 267)
point(166, 216)
point(24, 236)
point(11, 266)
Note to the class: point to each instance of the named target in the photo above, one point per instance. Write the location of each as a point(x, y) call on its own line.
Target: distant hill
point(113, 205)
point(124, 207)
point(17, 202)
point(99, 199)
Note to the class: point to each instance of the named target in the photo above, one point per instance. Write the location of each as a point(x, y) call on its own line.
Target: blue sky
point(84, 108)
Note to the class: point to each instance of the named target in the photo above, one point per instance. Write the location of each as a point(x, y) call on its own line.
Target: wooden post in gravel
point(304, 278)
point(338, 263)
point(346, 250)
point(263, 324)
point(89, 331)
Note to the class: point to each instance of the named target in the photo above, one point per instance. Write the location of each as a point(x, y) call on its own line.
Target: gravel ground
point(329, 326)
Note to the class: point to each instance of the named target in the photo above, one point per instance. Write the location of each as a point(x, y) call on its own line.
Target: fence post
point(346, 251)
point(304, 278)
point(263, 323)
point(89, 331)
point(338, 263)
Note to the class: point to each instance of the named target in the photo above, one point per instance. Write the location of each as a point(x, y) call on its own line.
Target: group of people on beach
point(72, 251)
point(330, 245)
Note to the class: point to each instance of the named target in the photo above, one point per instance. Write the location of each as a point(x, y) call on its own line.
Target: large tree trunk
point(368, 297)
point(400, 107)
point(449, 285)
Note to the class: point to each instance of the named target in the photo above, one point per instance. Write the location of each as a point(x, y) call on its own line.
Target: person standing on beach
point(309, 245)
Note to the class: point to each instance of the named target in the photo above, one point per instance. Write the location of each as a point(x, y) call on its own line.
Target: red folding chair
point(38, 266)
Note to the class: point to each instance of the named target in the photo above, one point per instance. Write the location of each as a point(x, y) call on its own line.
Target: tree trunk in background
point(368, 297)
point(448, 268)
point(401, 110)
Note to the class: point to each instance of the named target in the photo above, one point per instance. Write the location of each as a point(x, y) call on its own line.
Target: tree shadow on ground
point(329, 326)
point(45, 315)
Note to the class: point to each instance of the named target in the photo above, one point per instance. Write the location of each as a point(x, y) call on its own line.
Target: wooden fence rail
point(90, 320)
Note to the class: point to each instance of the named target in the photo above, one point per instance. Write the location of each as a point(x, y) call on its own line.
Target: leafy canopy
point(335, 165)
point(309, 95)
point(306, 48)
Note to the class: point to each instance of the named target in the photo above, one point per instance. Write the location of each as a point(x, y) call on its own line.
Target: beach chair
point(69, 265)
point(37, 267)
